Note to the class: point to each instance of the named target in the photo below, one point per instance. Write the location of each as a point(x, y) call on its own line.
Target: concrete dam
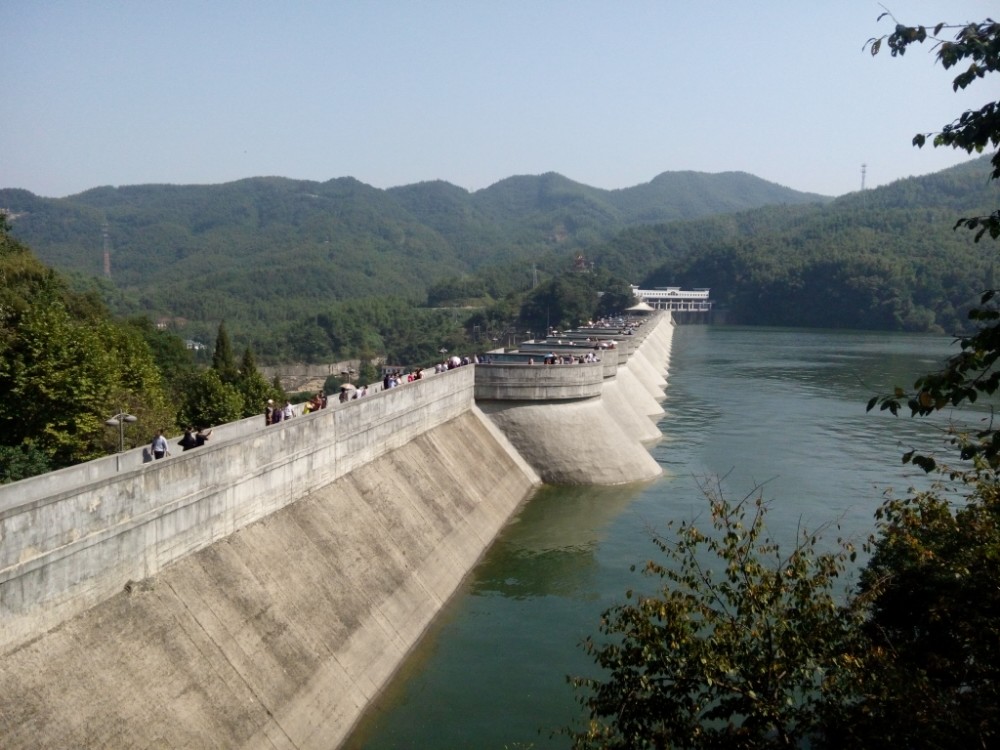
point(260, 591)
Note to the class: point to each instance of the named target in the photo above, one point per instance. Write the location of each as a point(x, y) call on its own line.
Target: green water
point(774, 407)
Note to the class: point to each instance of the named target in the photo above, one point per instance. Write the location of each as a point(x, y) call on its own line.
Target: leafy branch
point(974, 130)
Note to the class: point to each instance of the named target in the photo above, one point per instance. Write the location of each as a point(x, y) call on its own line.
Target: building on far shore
point(675, 299)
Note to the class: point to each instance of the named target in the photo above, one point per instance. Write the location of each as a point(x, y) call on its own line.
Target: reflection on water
point(492, 671)
point(549, 549)
point(780, 408)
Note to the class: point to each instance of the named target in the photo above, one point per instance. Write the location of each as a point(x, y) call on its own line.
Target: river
point(782, 410)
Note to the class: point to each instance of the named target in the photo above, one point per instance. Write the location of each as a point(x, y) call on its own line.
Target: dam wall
point(64, 552)
point(261, 590)
point(279, 635)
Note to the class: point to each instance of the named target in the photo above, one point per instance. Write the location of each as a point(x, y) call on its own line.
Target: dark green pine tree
point(222, 358)
point(254, 387)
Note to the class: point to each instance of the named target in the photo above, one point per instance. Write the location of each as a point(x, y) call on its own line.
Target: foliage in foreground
point(743, 644)
point(973, 372)
point(932, 676)
point(65, 368)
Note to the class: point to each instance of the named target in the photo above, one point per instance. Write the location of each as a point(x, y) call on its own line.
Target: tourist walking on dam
point(159, 446)
point(188, 441)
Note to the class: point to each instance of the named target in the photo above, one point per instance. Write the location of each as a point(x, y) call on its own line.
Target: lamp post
point(119, 420)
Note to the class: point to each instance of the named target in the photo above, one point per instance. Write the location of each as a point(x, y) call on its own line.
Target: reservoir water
point(778, 409)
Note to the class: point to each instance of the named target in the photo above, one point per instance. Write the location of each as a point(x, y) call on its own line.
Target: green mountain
point(306, 270)
point(886, 258)
point(270, 249)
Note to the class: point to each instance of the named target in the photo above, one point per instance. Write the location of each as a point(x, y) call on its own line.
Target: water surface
point(779, 409)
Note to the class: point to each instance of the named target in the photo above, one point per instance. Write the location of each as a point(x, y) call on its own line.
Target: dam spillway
point(557, 418)
point(260, 592)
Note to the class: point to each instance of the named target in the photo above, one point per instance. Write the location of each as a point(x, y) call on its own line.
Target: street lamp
point(119, 420)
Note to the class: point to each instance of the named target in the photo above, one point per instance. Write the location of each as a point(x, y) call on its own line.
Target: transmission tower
point(105, 234)
point(864, 168)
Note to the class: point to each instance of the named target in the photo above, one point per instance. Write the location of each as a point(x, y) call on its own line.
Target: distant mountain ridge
point(272, 255)
point(270, 247)
point(543, 203)
point(888, 258)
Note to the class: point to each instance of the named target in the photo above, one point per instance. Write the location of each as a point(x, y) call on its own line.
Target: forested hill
point(268, 246)
point(270, 254)
point(886, 258)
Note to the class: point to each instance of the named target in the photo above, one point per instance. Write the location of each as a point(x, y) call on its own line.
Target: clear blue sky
point(610, 94)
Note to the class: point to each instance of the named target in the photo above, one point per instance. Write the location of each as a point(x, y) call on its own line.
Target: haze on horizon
point(392, 93)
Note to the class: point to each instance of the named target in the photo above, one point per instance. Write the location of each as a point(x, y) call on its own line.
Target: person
point(288, 412)
point(269, 412)
point(202, 437)
point(188, 441)
point(159, 446)
point(276, 415)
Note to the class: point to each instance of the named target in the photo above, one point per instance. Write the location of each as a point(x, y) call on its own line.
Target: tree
point(567, 300)
point(223, 361)
point(972, 372)
point(209, 401)
point(933, 581)
point(253, 386)
point(65, 368)
point(742, 645)
point(617, 296)
point(367, 371)
point(22, 461)
point(61, 378)
point(974, 130)
point(172, 357)
point(931, 673)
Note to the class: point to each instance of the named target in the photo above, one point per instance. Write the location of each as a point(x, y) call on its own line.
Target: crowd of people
point(273, 414)
point(349, 392)
point(566, 359)
point(625, 326)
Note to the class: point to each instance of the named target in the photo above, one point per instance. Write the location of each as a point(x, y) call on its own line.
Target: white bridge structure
point(674, 298)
